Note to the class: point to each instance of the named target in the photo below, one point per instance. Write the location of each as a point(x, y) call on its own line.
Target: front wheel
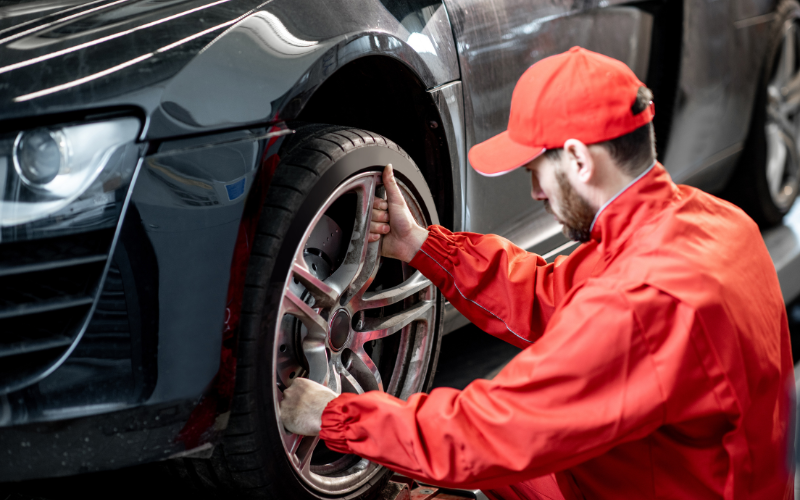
point(321, 303)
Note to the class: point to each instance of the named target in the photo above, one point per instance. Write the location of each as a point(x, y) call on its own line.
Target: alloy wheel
point(782, 125)
point(350, 320)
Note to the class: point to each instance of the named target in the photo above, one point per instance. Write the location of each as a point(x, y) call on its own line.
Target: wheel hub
point(339, 331)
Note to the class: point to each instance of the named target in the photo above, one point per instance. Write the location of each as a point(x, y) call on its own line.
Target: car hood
point(61, 55)
point(195, 66)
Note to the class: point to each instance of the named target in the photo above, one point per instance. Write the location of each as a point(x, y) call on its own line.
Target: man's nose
point(536, 190)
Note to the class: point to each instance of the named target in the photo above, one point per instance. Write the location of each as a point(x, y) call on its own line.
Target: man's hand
point(302, 406)
point(391, 218)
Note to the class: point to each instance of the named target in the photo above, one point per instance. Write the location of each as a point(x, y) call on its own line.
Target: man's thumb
point(393, 194)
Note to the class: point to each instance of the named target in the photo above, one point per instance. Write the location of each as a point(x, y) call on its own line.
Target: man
point(657, 360)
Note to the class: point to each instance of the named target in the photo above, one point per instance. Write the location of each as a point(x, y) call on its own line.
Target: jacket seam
point(646, 341)
point(641, 331)
point(729, 385)
point(470, 300)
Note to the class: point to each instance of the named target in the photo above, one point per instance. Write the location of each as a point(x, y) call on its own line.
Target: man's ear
point(580, 160)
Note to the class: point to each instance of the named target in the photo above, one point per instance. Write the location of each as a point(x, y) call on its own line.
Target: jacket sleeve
point(501, 288)
point(586, 386)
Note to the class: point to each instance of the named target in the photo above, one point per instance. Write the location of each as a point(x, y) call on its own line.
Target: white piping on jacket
point(617, 195)
point(465, 298)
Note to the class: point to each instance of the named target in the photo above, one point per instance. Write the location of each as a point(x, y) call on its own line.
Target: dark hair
point(634, 151)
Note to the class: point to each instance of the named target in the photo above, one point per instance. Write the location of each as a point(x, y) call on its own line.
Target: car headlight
point(56, 174)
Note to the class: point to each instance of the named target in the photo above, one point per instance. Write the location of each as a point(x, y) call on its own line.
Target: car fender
point(266, 66)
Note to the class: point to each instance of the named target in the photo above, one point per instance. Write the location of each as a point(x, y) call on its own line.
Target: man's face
point(550, 183)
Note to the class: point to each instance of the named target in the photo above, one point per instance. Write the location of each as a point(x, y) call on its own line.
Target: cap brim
point(500, 155)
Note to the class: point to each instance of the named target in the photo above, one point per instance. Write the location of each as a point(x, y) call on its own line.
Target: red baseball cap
point(578, 94)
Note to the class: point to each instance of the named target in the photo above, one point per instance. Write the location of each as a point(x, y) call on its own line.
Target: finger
point(380, 215)
point(373, 237)
point(380, 204)
point(393, 194)
point(378, 228)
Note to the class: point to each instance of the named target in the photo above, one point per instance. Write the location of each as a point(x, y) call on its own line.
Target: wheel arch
point(384, 95)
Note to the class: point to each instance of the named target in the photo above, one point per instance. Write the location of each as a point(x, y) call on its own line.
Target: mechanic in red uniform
point(656, 359)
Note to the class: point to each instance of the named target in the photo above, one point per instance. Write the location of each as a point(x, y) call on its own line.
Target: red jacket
point(657, 361)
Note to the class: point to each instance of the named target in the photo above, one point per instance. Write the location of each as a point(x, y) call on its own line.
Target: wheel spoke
point(787, 76)
point(314, 342)
point(776, 159)
point(361, 256)
point(335, 379)
point(416, 283)
point(317, 357)
point(349, 382)
point(366, 275)
point(293, 441)
point(370, 267)
point(292, 304)
point(790, 46)
point(791, 89)
point(364, 370)
point(786, 127)
point(324, 295)
point(378, 328)
point(791, 104)
point(305, 451)
point(786, 64)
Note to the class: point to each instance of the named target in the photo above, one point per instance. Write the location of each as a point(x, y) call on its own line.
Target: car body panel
point(192, 221)
point(721, 63)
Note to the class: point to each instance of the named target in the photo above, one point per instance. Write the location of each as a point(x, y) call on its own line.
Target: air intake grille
point(47, 288)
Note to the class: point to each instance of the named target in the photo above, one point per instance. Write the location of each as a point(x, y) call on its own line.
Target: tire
point(325, 172)
point(767, 180)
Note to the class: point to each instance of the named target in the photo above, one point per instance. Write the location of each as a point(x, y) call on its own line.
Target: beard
point(576, 214)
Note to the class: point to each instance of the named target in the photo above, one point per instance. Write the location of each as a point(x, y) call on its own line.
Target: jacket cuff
point(336, 420)
point(435, 252)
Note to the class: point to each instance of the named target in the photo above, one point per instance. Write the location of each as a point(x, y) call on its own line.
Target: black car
point(185, 187)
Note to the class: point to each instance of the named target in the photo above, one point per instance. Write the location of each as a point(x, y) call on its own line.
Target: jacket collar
point(640, 200)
